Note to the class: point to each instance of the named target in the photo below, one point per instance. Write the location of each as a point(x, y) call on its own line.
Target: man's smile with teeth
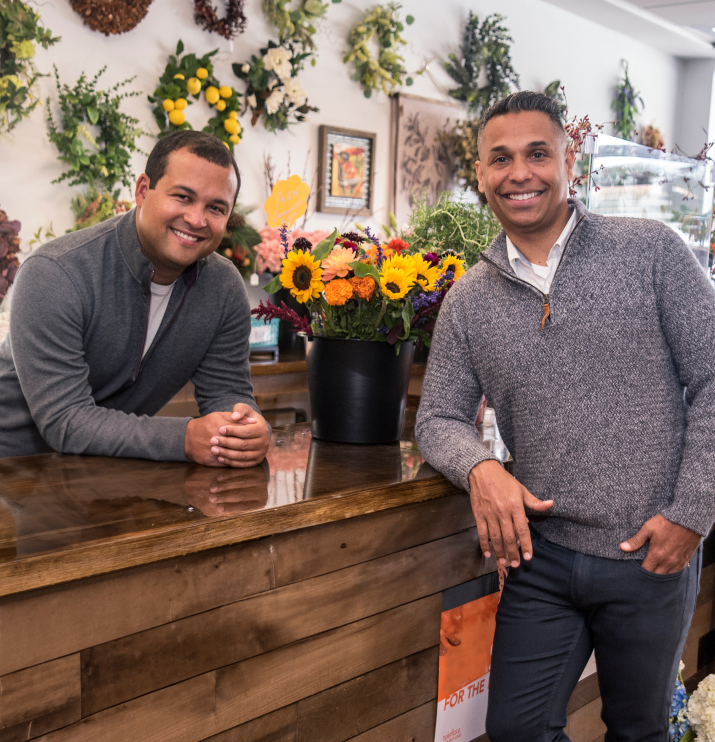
point(522, 196)
point(185, 236)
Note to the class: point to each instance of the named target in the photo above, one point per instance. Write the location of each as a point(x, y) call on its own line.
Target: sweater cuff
point(679, 515)
point(469, 454)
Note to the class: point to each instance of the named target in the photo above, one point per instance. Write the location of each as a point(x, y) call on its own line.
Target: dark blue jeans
point(558, 608)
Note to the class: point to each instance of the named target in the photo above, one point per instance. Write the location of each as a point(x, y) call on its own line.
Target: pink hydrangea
point(269, 252)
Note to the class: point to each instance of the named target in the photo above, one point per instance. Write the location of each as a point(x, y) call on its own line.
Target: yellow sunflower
point(301, 274)
point(404, 263)
point(426, 274)
point(452, 267)
point(395, 283)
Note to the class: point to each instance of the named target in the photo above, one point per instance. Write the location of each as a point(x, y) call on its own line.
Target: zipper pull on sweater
point(547, 311)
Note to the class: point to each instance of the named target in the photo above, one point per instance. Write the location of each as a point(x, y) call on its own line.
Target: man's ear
point(141, 189)
point(480, 176)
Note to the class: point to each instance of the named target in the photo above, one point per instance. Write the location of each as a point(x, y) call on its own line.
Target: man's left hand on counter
point(245, 441)
point(670, 546)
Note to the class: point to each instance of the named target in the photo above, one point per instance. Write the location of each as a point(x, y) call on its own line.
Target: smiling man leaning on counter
point(109, 323)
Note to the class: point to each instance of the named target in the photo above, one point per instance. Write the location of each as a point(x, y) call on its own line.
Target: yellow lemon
point(227, 145)
point(231, 126)
point(225, 91)
point(221, 105)
point(202, 73)
point(179, 76)
point(193, 85)
point(168, 105)
point(227, 252)
point(233, 115)
point(235, 138)
point(177, 117)
point(180, 104)
point(212, 95)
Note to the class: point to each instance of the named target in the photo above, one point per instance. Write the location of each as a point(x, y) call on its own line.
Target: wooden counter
point(302, 605)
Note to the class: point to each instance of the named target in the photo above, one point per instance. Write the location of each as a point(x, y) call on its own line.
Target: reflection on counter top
point(81, 515)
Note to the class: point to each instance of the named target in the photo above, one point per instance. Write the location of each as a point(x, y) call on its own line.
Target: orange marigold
point(363, 287)
point(337, 292)
point(371, 254)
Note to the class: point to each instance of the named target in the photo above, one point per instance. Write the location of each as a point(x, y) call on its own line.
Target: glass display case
point(633, 180)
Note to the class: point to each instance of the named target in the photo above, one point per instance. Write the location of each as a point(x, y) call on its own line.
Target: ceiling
point(697, 14)
point(683, 28)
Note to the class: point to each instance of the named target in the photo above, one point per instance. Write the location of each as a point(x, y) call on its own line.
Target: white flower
point(274, 100)
point(246, 68)
point(294, 91)
point(278, 60)
point(252, 101)
point(701, 710)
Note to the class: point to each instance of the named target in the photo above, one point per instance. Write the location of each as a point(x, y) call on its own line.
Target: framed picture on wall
point(346, 171)
point(422, 165)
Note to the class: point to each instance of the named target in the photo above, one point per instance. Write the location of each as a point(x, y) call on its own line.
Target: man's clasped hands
point(237, 439)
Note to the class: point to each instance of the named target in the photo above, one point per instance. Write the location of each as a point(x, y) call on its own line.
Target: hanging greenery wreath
point(297, 23)
point(20, 31)
point(381, 23)
point(106, 161)
point(109, 16)
point(625, 105)
point(185, 78)
point(229, 27)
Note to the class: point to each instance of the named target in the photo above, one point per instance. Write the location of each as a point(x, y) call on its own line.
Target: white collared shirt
point(540, 276)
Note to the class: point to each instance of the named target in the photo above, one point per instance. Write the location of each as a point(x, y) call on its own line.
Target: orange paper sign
point(288, 201)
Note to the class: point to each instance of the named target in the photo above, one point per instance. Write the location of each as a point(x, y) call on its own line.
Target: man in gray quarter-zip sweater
point(109, 323)
point(594, 340)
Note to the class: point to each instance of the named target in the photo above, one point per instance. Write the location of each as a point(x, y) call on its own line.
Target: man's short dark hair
point(199, 143)
point(524, 100)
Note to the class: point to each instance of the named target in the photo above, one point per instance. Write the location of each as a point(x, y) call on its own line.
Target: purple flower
point(284, 240)
point(432, 258)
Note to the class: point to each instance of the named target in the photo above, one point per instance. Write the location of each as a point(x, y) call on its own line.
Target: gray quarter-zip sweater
point(72, 376)
point(587, 382)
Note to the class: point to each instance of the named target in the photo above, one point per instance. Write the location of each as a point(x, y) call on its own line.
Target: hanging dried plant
point(229, 27)
point(625, 104)
point(109, 16)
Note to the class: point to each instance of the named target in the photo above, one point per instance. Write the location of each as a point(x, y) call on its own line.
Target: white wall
point(696, 108)
point(548, 43)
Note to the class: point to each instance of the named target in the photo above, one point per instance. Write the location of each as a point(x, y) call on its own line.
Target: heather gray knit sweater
point(591, 406)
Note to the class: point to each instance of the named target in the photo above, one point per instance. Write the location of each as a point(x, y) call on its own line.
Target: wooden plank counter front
point(302, 605)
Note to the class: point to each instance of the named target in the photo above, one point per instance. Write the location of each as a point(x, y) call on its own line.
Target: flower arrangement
point(106, 161)
point(20, 31)
point(93, 207)
point(274, 89)
point(185, 77)
point(355, 286)
point(9, 248)
point(230, 26)
point(381, 23)
point(270, 251)
point(239, 241)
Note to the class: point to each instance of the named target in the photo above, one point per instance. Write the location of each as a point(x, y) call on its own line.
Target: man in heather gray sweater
point(594, 340)
point(109, 323)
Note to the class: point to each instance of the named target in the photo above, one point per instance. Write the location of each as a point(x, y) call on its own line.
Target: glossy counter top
point(68, 517)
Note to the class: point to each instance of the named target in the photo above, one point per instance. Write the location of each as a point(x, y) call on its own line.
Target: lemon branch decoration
point(20, 31)
point(380, 24)
point(187, 77)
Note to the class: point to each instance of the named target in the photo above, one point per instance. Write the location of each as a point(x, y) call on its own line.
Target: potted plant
point(368, 304)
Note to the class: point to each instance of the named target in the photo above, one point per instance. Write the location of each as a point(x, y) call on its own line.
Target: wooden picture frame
point(346, 172)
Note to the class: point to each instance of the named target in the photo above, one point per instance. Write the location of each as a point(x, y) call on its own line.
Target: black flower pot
point(357, 389)
point(287, 336)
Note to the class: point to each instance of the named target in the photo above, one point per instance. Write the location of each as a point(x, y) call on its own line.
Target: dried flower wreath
point(229, 27)
point(109, 16)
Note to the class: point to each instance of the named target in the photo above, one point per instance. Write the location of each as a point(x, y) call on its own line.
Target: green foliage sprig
point(295, 21)
point(486, 46)
point(382, 24)
point(20, 31)
point(461, 140)
point(101, 160)
point(625, 105)
point(452, 224)
point(92, 207)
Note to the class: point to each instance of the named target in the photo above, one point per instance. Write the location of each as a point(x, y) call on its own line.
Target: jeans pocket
point(660, 578)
